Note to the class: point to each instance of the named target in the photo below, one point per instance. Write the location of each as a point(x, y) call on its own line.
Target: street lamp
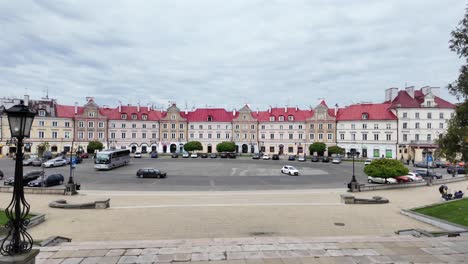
point(353, 183)
point(18, 241)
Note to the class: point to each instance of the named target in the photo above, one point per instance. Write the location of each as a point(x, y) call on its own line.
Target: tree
point(455, 141)
point(335, 150)
point(193, 145)
point(41, 148)
point(226, 146)
point(317, 147)
point(93, 146)
point(385, 168)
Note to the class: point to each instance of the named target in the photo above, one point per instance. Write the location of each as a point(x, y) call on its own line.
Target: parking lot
point(199, 174)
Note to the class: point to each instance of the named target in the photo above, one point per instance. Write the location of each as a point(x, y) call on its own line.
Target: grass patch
point(4, 219)
point(455, 212)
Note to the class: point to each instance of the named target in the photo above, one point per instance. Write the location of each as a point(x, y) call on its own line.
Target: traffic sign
point(429, 158)
point(73, 161)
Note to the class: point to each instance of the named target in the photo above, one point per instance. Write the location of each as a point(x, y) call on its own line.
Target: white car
point(381, 180)
point(301, 158)
point(290, 170)
point(137, 154)
point(414, 177)
point(266, 157)
point(185, 155)
point(367, 162)
point(55, 163)
point(194, 155)
point(336, 160)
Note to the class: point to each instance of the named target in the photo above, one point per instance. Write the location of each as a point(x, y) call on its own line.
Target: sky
point(225, 53)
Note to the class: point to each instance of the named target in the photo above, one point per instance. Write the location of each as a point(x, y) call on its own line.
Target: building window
point(405, 137)
point(353, 136)
point(54, 134)
point(42, 113)
point(320, 135)
point(291, 127)
point(272, 136)
point(165, 126)
point(90, 114)
point(330, 126)
point(300, 136)
point(41, 123)
point(192, 127)
point(100, 135)
point(80, 124)
point(227, 135)
point(342, 136)
point(200, 135)
point(209, 135)
point(245, 136)
point(353, 126)
point(173, 136)
point(237, 135)
point(124, 125)
point(112, 125)
point(320, 127)
point(429, 125)
point(67, 124)
point(291, 118)
point(272, 118)
point(173, 126)
point(237, 126)
point(153, 126)
point(428, 137)
point(405, 125)
point(124, 135)
point(101, 124)
point(365, 116)
point(134, 116)
point(330, 136)
point(290, 136)
point(312, 126)
point(218, 135)
point(181, 126)
point(91, 124)
point(173, 117)
point(80, 135)
point(252, 136)
point(252, 127)
point(134, 126)
point(112, 135)
point(364, 126)
point(299, 127)
point(416, 137)
point(67, 134)
point(143, 125)
point(417, 125)
point(191, 135)
point(144, 117)
point(153, 135)
point(405, 115)
point(133, 135)
point(143, 135)
point(165, 135)
point(441, 115)
point(90, 135)
point(376, 126)
point(389, 137)
point(376, 153)
point(54, 123)
point(181, 135)
point(281, 118)
point(441, 125)
point(272, 149)
point(123, 116)
point(376, 137)
point(281, 136)
point(429, 115)
point(244, 117)
point(389, 126)
point(209, 127)
point(416, 115)
point(364, 136)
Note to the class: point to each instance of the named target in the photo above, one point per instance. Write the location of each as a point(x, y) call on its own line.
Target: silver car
point(55, 163)
point(381, 180)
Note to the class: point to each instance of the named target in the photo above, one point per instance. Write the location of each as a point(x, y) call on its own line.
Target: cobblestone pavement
point(263, 250)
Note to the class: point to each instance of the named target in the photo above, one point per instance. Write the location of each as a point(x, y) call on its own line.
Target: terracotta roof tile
point(375, 111)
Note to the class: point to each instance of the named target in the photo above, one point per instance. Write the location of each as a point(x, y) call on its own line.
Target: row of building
point(402, 127)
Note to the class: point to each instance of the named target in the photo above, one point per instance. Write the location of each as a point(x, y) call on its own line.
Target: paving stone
point(186, 250)
point(238, 261)
point(329, 245)
point(115, 252)
point(285, 254)
point(297, 246)
point(109, 260)
point(291, 260)
point(128, 259)
point(362, 260)
point(314, 246)
point(237, 255)
point(281, 247)
point(335, 253)
point(271, 254)
point(164, 258)
point(62, 254)
point(418, 258)
point(317, 252)
point(71, 261)
point(254, 261)
point(367, 252)
point(133, 252)
point(344, 260)
point(200, 257)
point(233, 248)
point(253, 255)
point(273, 261)
point(150, 251)
point(380, 259)
point(181, 257)
point(440, 250)
point(171, 250)
point(51, 261)
point(408, 251)
point(250, 247)
point(91, 260)
point(42, 255)
point(309, 260)
point(217, 249)
point(266, 247)
point(300, 253)
point(216, 256)
point(146, 258)
point(98, 253)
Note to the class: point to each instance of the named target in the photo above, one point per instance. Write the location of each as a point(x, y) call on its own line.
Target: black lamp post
point(18, 241)
point(353, 183)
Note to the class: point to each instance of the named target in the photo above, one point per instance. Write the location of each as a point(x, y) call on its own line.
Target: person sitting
point(443, 189)
point(458, 195)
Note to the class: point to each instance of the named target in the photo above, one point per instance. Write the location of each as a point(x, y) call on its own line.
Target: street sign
point(429, 158)
point(73, 161)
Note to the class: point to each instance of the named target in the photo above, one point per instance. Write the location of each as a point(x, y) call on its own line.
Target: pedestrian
point(412, 162)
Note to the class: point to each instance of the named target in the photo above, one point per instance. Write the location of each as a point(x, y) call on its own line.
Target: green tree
point(455, 141)
point(41, 148)
point(335, 150)
point(93, 146)
point(385, 168)
point(193, 145)
point(318, 147)
point(226, 146)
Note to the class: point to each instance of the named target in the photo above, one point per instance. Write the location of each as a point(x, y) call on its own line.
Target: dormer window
point(42, 113)
point(272, 118)
point(123, 116)
point(281, 118)
point(144, 117)
point(134, 116)
point(291, 118)
point(429, 103)
point(244, 117)
point(365, 116)
point(90, 114)
point(173, 117)
point(210, 118)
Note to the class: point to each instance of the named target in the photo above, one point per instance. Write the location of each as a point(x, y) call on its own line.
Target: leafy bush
point(385, 168)
point(193, 145)
point(318, 147)
point(335, 150)
point(226, 146)
point(93, 146)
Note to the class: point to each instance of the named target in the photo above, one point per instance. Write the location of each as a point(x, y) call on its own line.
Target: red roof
point(323, 103)
point(67, 111)
point(299, 115)
point(202, 114)
point(403, 99)
point(375, 112)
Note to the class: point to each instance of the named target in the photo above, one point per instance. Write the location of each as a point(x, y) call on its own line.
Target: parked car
point(84, 155)
point(150, 173)
point(154, 155)
point(459, 170)
point(402, 179)
point(232, 155)
point(224, 155)
point(55, 163)
point(137, 155)
point(275, 157)
point(336, 160)
point(1, 175)
point(266, 157)
point(381, 180)
point(28, 162)
point(290, 170)
point(204, 155)
point(314, 159)
point(185, 155)
point(50, 180)
point(414, 177)
point(367, 162)
point(423, 165)
point(38, 162)
point(213, 155)
point(256, 156)
point(194, 155)
point(440, 164)
point(325, 159)
point(301, 158)
point(47, 155)
point(175, 155)
point(292, 157)
point(28, 177)
point(423, 173)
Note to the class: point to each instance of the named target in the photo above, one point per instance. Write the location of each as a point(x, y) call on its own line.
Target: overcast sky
point(225, 53)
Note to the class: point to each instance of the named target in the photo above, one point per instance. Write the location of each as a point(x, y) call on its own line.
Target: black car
point(275, 157)
point(423, 173)
point(150, 173)
point(256, 156)
point(213, 156)
point(175, 155)
point(292, 157)
point(154, 154)
point(314, 159)
point(232, 155)
point(28, 177)
point(224, 155)
point(459, 169)
point(440, 164)
point(325, 159)
point(423, 165)
point(1, 174)
point(204, 155)
point(50, 180)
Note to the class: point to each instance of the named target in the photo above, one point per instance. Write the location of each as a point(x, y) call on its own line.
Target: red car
point(84, 155)
point(403, 178)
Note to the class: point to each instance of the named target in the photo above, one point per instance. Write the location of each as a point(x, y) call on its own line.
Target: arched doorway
point(144, 149)
point(237, 148)
point(245, 148)
point(281, 149)
point(210, 149)
point(181, 147)
point(173, 148)
point(252, 149)
point(53, 148)
point(154, 148)
point(300, 150)
point(134, 149)
point(165, 149)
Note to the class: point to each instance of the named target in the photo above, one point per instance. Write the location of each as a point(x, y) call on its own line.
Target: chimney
point(336, 109)
point(269, 109)
point(410, 91)
point(286, 109)
point(120, 107)
point(149, 107)
point(186, 110)
point(138, 107)
point(234, 112)
point(76, 108)
point(257, 111)
point(26, 100)
point(297, 108)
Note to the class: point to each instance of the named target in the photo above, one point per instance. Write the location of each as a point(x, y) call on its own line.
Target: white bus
point(111, 158)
